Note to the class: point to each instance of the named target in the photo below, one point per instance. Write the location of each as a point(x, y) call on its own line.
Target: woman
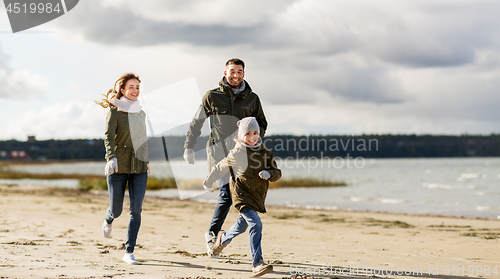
point(126, 156)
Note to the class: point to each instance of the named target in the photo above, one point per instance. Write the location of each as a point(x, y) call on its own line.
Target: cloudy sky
point(319, 67)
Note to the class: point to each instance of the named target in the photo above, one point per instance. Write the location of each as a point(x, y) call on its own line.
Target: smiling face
point(251, 138)
point(131, 90)
point(234, 75)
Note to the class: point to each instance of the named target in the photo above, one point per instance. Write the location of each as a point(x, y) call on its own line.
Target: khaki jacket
point(248, 189)
point(125, 139)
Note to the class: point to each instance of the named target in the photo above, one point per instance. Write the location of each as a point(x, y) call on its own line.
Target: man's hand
point(189, 155)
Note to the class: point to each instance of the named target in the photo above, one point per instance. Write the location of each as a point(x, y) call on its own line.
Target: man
point(225, 105)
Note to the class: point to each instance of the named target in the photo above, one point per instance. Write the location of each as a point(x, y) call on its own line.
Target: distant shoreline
point(283, 146)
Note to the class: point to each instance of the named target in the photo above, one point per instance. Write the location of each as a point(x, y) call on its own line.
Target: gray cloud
point(413, 33)
point(440, 33)
point(365, 85)
point(426, 34)
point(304, 49)
point(127, 28)
point(357, 84)
point(309, 80)
point(413, 52)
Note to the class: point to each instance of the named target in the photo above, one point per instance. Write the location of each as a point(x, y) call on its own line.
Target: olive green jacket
point(247, 189)
point(224, 109)
point(125, 139)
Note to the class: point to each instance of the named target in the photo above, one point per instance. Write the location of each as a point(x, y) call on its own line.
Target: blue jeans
point(248, 218)
point(117, 183)
point(223, 205)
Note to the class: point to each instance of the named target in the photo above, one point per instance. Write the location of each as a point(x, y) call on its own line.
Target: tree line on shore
point(283, 146)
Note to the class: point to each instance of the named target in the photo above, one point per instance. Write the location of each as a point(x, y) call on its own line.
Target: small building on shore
point(19, 155)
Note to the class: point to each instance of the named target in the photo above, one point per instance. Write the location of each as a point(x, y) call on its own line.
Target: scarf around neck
point(257, 144)
point(236, 90)
point(126, 105)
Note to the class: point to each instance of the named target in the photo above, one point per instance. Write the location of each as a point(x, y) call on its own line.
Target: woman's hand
point(111, 167)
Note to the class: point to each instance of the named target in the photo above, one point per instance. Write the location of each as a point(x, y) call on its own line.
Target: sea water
point(445, 186)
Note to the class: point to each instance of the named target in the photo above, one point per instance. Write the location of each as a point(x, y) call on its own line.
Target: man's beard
point(238, 85)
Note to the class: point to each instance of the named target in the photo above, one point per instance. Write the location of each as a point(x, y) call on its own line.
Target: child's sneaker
point(210, 237)
point(218, 244)
point(262, 269)
point(106, 229)
point(129, 258)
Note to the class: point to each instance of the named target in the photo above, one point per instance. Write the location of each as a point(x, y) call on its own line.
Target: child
point(252, 166)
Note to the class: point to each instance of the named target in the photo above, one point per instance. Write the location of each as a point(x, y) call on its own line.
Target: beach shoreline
point(56, 233)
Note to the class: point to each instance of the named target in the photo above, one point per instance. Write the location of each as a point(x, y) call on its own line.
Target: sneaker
point(218, 244)
point(262, 269)
point(106, 229)
point(129, 258)
point(210, 237)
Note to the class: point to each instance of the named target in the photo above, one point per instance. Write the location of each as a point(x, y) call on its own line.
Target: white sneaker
point(262, 269)
point(210, 238)
point(129, 258)
point(106, 229)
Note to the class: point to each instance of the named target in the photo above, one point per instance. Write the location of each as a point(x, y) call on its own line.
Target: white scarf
point(126, 105)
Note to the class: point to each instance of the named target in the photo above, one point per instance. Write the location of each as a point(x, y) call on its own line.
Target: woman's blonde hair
point(122, 81)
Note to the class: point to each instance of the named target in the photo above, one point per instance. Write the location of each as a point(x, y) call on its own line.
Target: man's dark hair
point(236, 61)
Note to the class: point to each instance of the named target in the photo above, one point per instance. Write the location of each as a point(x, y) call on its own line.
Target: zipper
point(232, 104)
point(232, 113)
point(133, 162)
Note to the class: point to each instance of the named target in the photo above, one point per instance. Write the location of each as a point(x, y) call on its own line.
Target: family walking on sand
point(238, 161)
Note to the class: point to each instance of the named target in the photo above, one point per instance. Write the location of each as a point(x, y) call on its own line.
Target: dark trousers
point(221, 209)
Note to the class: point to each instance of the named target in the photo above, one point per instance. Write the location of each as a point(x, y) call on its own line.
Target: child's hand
point(264, 175)
point(208, 189)
point(189, 155)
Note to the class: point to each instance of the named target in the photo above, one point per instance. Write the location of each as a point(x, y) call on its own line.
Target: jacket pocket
point(221, 123)
point(123, 157)
point(219, 109)
point(247, 111)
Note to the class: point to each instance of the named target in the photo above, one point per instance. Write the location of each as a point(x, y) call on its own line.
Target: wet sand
point(54, 233)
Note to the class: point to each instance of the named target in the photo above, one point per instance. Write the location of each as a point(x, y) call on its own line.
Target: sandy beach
point(55, 233)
